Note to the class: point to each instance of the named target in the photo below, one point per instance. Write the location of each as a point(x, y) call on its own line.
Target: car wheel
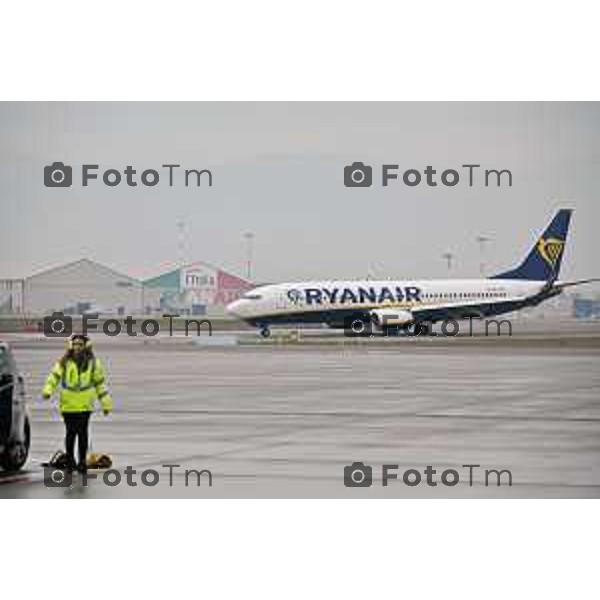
point(15, 455)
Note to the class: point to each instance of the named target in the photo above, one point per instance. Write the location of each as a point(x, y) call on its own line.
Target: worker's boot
point(70, 463)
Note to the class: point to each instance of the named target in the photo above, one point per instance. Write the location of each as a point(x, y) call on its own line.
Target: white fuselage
point(296, 300)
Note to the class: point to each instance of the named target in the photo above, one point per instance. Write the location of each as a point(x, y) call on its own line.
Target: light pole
point(449, 258)
point(249, 237)
point(481, 240)
point(181, 249)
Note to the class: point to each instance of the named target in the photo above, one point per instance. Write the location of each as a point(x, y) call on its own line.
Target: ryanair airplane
point(388, 305)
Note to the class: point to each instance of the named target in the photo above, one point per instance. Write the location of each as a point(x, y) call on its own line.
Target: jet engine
point(391, 317)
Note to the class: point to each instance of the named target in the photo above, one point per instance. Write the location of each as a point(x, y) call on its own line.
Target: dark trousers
point(76, 425)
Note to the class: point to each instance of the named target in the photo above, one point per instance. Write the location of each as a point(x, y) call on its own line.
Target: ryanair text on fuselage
point(357, 295)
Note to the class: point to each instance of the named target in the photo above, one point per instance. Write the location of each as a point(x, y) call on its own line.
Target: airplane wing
point(567, 284)
point(477, 309)
point(450, 310)
point(433, 312)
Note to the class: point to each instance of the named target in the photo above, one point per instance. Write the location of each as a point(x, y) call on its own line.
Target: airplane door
point(281, 300)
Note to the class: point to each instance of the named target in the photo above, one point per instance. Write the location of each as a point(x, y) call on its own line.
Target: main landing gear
point(265, 332)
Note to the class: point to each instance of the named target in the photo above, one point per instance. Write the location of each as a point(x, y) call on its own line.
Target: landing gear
point(265, 332)
point(415, 329)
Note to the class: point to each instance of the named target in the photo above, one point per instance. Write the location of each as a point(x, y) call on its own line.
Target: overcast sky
point(278, 173)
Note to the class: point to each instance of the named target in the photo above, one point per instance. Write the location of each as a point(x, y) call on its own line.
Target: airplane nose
point(233, 308)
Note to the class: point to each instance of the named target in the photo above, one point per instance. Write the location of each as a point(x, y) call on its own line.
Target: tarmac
point(283, 418)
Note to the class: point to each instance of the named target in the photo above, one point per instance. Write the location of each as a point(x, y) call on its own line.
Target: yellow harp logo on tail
point(550, 250)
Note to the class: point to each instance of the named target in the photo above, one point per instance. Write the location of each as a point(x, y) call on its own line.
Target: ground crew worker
point(79, 375)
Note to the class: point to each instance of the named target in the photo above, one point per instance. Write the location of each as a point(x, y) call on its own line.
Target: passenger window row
point(461, 295)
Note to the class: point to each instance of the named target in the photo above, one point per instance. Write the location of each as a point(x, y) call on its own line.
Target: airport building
point(586, 308)
point(11, 296)
point(193, 289)
point(85, 286)
point(79, 287)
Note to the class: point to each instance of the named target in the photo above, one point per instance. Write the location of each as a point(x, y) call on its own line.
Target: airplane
point(387, 306)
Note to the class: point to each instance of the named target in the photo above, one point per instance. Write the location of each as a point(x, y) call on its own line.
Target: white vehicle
point(98, 310)
point(15, 433)
point(388, 305)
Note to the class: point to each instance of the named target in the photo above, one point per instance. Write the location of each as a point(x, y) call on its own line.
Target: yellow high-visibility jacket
point(78, 390)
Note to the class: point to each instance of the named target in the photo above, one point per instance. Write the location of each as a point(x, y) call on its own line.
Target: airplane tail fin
point(543, 262)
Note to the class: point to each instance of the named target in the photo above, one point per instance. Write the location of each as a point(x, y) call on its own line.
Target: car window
point(4, 360)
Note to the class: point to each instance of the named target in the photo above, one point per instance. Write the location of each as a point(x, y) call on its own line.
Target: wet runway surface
point(279, 421)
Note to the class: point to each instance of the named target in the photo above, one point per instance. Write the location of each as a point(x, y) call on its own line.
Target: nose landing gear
point(265, 332)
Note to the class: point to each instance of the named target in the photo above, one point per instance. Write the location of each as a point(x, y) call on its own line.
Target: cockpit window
point(251, 296)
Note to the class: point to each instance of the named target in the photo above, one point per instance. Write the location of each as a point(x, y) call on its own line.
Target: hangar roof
point(83, 262)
